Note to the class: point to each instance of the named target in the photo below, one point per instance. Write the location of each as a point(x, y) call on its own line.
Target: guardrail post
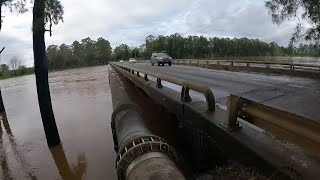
point(159, 85)
point(248, 64)
point(138, 74)
point(231, 122)
point(185, 96)
point(231, 63)
point(146, 77)
point(267, 65)
point(218, 63)
point(210, 100)
point(292, 67)
point(132, 71)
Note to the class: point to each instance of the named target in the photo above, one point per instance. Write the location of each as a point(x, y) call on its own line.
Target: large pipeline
point(141, 154)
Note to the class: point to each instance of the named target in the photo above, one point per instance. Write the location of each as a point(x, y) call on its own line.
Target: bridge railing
point(264, 116)
point(266, 64)
point(186, 85)
point(242, 128)
point(248, 63)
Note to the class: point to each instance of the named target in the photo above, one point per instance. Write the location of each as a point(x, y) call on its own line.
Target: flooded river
point(82, 106)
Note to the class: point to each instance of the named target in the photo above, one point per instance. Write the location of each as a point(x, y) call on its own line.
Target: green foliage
point(21, 71)
point(309, 10)
point(122, 52)
point(201, 47)
point(87, 52)
point(53, 13)
point(4, 67)
point(103, 51)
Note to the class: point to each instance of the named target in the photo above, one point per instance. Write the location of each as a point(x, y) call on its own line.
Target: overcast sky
point(130, 21)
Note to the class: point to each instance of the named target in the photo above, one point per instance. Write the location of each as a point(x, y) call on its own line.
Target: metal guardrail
point(238, 107)
point(186, 85)
point(247, 62)
point(267, 64)
point(251, 111)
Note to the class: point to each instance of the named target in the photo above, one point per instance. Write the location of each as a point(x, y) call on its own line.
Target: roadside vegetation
point(14, 69)
point(86, 52)
point(197, 47)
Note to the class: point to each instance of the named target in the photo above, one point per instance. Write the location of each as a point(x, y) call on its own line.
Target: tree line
point(178, 46)
point(87, 52)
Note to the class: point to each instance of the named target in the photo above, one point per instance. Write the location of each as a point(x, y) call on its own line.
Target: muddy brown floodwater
point(82, 106)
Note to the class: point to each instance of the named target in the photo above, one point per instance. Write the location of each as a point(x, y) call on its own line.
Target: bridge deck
point(293, 94)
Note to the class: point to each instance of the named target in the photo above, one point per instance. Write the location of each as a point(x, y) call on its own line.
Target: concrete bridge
point(268, 117)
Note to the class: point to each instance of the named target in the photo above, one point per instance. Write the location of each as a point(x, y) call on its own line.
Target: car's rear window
point(162, 55)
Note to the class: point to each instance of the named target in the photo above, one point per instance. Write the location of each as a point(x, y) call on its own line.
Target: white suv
point(132, 60)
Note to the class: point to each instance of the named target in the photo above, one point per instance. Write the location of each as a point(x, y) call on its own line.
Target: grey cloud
point(16, 36)
point(231, 19)
point(109, 16)
point(16, 47)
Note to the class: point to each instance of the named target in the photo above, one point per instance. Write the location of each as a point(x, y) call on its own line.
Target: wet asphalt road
point(293, 94)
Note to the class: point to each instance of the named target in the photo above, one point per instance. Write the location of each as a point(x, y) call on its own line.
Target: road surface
point(293, 94)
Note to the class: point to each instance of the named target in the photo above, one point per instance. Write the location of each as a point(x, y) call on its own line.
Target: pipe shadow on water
point(66, 172)
point(6, 171)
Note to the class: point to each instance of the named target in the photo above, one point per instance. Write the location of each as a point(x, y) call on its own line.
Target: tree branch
point(2, 50)
point(49, 31)
point(50, 26)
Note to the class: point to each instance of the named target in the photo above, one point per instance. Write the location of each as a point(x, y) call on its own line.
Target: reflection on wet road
point(82, 105)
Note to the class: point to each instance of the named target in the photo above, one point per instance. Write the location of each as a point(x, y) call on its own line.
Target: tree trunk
point(2, 109)
point(41, 72)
